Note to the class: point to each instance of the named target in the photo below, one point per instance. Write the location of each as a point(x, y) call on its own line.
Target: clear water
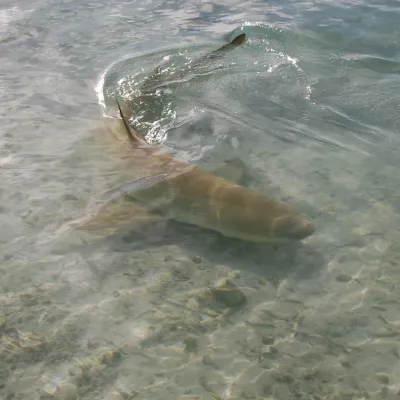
point(310, 103)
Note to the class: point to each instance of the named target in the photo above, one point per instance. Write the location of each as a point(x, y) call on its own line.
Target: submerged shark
point(168, 188)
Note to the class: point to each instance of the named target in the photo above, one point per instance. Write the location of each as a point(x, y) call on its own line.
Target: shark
point(158, 79)
point(163, 187)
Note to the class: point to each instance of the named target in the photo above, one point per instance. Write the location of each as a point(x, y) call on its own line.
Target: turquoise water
point(310, 104)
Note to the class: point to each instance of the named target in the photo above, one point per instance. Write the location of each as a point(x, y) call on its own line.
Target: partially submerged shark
point(167, 188)
point(157, 78)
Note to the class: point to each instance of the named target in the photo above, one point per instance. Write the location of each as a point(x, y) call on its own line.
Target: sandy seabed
point(180, 313)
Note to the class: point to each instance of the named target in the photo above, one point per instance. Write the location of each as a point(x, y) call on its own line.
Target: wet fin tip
point(131, 136)
point(240, 39)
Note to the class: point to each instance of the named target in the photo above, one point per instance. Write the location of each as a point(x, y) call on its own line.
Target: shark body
point(165, 187)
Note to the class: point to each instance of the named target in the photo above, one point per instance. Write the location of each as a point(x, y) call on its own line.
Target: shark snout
point(293, 228)
point(305, 230)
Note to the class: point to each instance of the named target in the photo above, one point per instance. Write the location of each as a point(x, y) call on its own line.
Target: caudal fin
point(157, 80)
point(238, 41)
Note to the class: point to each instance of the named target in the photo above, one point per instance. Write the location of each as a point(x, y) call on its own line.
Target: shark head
point(288, 228)
point(245, 214)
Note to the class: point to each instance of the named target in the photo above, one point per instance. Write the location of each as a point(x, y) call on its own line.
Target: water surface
point(310, 103)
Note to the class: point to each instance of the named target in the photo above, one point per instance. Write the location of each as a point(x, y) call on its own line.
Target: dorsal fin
point(133, 135)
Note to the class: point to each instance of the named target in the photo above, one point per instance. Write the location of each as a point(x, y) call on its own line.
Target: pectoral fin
point(115, 215)
point(233, 170)
point(116, 208)
point(137, 184)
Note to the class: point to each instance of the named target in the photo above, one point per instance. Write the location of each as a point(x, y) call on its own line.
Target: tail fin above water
point(238, 41)
point(155, 80)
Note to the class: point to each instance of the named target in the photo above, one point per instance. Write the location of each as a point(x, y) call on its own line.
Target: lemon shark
point(163, 187)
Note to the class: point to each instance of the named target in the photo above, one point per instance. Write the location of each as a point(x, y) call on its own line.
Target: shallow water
point(310, 103)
